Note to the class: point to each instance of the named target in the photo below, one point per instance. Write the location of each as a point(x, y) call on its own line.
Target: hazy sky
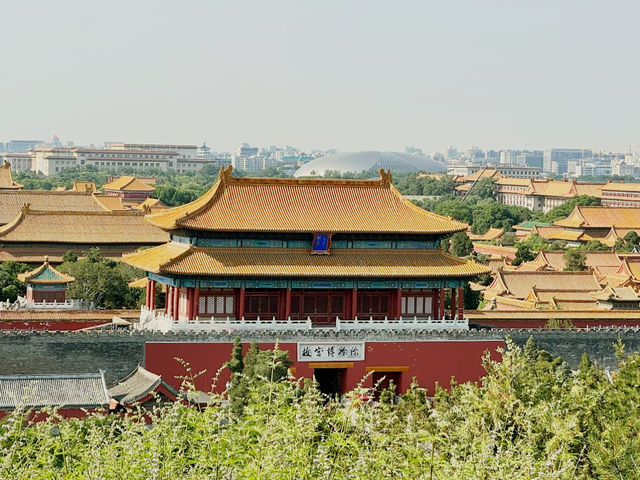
point(349, 74)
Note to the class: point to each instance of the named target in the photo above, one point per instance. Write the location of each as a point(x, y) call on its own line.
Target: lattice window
point(418, 305)
point(215, 304)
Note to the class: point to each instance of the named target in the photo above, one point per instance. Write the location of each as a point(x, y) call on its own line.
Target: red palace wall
point(52, 325)
point(429, 362)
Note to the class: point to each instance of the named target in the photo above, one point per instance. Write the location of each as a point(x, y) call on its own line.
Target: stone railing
point(22, 304)
point(159, 321)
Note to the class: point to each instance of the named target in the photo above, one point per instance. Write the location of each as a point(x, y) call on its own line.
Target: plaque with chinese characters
point(330, 352)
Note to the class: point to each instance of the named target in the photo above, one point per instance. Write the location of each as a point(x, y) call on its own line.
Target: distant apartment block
point(556, 160)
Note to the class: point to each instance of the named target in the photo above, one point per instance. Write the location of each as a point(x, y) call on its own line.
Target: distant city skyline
point(362, 75)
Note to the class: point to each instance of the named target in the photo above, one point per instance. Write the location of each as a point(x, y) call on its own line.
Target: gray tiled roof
point(72, 390)
point(138, 384)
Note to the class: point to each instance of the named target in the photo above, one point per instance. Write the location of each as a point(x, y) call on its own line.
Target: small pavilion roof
point(81, 227)
point(139, 384)
point(45, 274)
point(6, 181)
point(181, 259)
point(68, 391)
point(304, 205)
point(128, 183)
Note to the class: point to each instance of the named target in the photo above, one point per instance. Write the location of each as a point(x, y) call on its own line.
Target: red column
point(147, 302)
point(152, 294)
point(434, 303)
point(398, 304)
point(460, 302)
point(167, 300)
point(196, 302)
point(441, 303)
point(241, 304)
point(453, 303)
point(354, 303)
point(190, 303)
point(287, 304)
point(176, 303)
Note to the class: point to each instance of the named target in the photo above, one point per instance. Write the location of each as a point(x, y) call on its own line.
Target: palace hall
point(291, 249)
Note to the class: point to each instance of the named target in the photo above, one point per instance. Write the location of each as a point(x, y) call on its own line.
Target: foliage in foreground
point(530, 418)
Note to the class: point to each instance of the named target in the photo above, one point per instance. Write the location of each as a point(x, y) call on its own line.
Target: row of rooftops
point(82, 391)
point(545, 187)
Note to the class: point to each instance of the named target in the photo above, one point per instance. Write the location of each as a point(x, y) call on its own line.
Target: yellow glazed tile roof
point(490, 234)
point(304, 205)
point(11, 202)
point(519, 284)
point(602, 217)
point(110, 202)
point(84, 186)
point(128, 183)
point(479, 174)
point(620, 187)
point(180, 259)
point(80, 227)
point(6, 181)
point(558, 233)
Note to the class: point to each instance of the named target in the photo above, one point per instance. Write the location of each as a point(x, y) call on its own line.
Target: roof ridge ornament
point(385, 177)
point(225, 173)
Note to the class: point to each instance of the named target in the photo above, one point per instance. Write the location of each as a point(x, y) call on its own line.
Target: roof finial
point(225, 173)
point(26, 207)
point(46, 259)
point(385, 177)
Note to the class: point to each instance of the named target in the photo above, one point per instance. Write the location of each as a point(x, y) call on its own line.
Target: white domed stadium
point(355, 162)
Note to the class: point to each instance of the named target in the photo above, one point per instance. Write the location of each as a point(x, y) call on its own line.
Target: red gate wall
point(429, 362)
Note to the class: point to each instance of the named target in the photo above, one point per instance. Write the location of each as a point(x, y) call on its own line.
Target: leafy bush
point(530, 417)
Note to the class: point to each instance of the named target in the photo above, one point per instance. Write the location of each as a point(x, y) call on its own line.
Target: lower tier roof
point(181, 259)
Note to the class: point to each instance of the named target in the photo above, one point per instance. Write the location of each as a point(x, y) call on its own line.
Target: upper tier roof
point(304, 205)
point(81, 227)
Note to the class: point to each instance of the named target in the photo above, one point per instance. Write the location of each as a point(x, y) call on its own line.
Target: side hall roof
point(81, 227)
point(181, 259)
point(304, 205)
point(11, 202)
point(69, 391)
point(601, 217)
point(138, 385)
